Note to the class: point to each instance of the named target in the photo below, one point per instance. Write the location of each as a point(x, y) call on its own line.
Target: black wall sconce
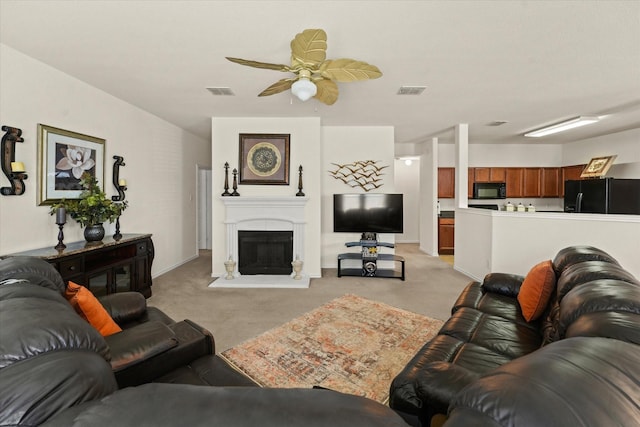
point(13, 170)
point(121, 187)
point(120, 184)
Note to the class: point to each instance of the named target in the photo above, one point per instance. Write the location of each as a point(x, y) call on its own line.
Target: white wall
point(504, 155)
point(160, 160)
point(345, 145)
point(626, 145)
point(428, 197)
point(305, 150)
point(407, 181)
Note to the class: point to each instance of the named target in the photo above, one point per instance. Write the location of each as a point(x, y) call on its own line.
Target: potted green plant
point(92, 209)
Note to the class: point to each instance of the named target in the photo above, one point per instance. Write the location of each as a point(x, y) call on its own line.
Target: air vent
point(411, 90)
point(497, 123)
point(221, 91)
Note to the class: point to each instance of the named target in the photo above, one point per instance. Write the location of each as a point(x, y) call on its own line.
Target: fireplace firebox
point(265, 252)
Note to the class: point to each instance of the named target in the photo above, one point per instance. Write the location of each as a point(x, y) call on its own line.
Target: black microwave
point(489, 190)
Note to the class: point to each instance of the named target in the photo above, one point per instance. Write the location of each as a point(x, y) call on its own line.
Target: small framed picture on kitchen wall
point(264, 159)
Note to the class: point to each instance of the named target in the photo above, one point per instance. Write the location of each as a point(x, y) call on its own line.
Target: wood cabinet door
point(570, 173)
point(497, 174)
point(470, 180)
point(482, 174)
point(550, 182)
point(446, 236)
point(531, 182)
point(446, 183)
point(514, 180)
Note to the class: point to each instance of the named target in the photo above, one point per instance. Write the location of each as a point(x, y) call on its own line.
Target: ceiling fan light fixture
point(304, 89)
point(562, 126)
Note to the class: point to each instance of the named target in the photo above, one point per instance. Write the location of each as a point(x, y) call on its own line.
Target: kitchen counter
point(512, 242)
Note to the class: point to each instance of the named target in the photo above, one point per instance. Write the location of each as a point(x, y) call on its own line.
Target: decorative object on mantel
point(14, 171)
point(264, 159)
point(300, 193)
point(297, 268)
point(365, 174)
point(64, 156)
point(598, 167)
point(92, 209)
point(61, 220)
point(121, 187)
point(229, 266)
point(226, 180)
point(235, 182)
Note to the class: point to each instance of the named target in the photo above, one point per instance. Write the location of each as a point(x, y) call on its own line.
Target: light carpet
point(350, 344)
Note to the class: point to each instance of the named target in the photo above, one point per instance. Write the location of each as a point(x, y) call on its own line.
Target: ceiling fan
point(315, 75)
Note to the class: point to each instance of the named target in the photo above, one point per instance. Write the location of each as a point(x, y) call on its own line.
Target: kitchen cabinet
point(531, 182)
point(490, 174)
point(470, 181)
point(570, 173)
point(550, 182)
point(446, 236)
point(514, 177)
point(446, 183)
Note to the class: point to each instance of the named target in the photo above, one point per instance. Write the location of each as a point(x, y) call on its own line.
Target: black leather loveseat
point(577, 364)
point(58, 370)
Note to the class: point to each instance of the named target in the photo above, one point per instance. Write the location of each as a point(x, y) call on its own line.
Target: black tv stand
point(369, 257)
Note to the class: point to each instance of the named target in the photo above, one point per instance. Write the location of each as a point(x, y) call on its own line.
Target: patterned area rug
point(351, 344)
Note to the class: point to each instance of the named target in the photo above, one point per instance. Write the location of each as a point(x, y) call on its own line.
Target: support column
point(462, 165)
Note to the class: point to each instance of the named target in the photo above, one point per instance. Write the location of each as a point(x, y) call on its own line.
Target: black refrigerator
point(605, 196)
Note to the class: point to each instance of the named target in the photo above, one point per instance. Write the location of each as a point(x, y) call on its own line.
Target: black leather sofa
point(57, 370)
point(579, 364)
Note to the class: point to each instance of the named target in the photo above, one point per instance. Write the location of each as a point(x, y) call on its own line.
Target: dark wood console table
point(112, 266)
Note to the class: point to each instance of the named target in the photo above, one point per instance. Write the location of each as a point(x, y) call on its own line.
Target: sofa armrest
point(438, 382)
point(137, 344)
point(503, 283)
point(124, 307)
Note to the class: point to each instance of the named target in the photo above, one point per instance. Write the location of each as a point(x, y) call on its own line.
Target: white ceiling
point(529, 63)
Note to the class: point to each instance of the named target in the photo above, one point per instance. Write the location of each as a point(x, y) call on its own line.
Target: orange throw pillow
point(536, 289)
point(90, 309)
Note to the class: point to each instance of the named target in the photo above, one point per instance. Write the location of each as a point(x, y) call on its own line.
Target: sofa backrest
point(594, 296)
point(35, 270)
point(50, 358)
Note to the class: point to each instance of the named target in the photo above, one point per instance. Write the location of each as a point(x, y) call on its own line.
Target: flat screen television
point(361, 213)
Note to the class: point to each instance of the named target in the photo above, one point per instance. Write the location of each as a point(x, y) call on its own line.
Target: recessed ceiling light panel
point(562, 126)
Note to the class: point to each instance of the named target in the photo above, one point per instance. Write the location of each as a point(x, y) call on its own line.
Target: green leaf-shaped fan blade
point(327, 91)
point(309, 49)
point(256, 64)
point(277, 87)
point(349, 70)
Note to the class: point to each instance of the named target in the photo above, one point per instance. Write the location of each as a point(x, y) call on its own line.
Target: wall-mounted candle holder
point(14, 171)
point(120, 184)
point(121, 187)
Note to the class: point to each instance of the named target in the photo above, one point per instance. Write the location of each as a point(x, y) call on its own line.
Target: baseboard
point(166, 270)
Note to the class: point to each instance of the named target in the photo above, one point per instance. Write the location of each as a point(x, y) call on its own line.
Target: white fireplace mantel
point(264, 214)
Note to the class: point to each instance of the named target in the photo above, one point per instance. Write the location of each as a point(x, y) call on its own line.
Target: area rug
point(351, 344)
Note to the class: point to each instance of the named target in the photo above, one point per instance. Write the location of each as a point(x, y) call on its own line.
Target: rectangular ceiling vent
point(411, 90)
point(221, 91)
point(497, 123)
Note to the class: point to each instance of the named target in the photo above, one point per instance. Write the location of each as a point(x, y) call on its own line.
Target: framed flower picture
point(63, 156)
point(264, 159)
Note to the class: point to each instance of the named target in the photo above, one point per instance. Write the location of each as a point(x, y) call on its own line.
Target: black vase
point(94, 233)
